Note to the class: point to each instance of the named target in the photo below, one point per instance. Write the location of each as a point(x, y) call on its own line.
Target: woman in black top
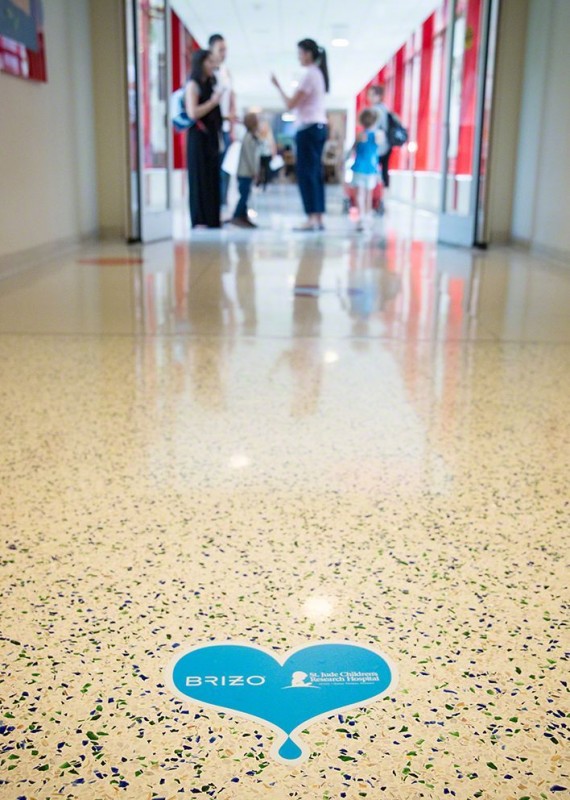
point(203, 142)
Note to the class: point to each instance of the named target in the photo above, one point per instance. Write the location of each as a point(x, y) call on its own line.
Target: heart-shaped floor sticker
point(286, 691)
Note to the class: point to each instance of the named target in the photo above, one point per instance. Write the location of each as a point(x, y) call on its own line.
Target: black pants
point(224, 177)
point(203, 161)
point(310, 144)
point(264, 171)
point(384, 162)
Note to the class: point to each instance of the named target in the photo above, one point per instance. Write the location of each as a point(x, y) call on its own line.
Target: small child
point(248, 170)
point(365, 169)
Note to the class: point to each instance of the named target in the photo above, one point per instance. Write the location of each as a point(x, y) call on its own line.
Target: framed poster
point(22, 44)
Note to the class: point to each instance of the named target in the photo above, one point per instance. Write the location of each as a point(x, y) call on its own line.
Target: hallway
point(283, 438)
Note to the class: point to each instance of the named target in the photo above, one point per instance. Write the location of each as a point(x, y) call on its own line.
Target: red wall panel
point(414, 81)
point(469, 88)
point(422, 135)
point(183, 45)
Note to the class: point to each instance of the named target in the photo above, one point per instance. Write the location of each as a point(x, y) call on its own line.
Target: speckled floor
point(285, 440)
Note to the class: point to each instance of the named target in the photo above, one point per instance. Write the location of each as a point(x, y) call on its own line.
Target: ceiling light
point(340, 42)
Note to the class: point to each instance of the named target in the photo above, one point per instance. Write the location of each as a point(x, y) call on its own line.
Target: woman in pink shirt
point(309, 103)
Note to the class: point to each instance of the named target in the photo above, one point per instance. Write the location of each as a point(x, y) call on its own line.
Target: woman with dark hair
point(309, 103)
point(203, 142)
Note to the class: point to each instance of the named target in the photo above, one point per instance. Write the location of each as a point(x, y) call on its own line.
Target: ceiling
point(262, 35)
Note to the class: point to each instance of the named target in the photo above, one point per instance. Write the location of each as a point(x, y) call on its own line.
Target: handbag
point(181, 122)
point(231, 159)
point(276, 163)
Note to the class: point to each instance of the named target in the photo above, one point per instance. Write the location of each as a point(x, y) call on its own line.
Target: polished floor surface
point(285, 438)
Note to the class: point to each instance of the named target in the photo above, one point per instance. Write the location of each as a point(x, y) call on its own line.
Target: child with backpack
point(365, 168)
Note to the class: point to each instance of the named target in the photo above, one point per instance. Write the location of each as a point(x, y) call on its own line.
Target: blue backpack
point(180, 120)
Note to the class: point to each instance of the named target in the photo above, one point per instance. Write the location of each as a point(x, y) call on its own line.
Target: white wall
point(47, 147)
point(541, 212)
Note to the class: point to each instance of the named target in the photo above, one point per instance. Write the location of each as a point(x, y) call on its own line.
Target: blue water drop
point(289, 750)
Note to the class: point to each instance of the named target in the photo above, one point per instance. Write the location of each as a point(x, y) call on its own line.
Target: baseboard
point(500, 239)
point(13, 263)
point(521, 242)
point(561, 257)
point(553, 253)
point(112, 232)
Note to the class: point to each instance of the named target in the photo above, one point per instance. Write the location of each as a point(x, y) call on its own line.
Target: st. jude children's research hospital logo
point(284, 691)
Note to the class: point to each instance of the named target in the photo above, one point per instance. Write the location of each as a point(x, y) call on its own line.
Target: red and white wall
point(414, 79)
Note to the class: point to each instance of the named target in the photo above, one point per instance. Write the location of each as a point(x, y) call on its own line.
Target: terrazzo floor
point(282, 440)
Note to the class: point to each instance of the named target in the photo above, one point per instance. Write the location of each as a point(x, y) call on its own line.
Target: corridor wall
point(529, 167)
point(414, 89)
point(111, 125)
point(541, 211)
point(47, 148)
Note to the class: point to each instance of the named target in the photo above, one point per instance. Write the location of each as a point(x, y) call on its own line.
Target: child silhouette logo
point(300, 680)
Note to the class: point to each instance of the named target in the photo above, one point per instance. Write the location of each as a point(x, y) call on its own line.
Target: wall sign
point(22, 45)
point(283, 690)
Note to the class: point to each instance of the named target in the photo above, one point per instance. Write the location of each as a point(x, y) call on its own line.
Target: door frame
point(143, 225)
point(454, 228)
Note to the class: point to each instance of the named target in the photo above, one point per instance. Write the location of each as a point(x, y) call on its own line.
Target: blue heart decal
point(286, 691)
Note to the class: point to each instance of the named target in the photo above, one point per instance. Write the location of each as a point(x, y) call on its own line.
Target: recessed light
point(340, 42)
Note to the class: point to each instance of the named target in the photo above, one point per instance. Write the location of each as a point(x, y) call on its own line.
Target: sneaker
point(240, 222)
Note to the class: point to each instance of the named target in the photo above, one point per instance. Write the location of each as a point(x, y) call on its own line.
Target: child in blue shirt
point(365, 169)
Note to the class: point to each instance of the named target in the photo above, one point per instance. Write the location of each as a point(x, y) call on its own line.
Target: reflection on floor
point(284, 438)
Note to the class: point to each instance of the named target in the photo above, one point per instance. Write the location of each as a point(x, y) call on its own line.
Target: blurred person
point(248, 170)
point(376, 100)
point(245, 287)
point(267, 151)
point(290, 161)
point(365, 168)
point(203, 99)
point(304, 354)
point(332, 158)
point(219, 49)
point(309, 103)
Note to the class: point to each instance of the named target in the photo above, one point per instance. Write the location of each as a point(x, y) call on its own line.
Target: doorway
point(465, 135)
point(147, 29)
